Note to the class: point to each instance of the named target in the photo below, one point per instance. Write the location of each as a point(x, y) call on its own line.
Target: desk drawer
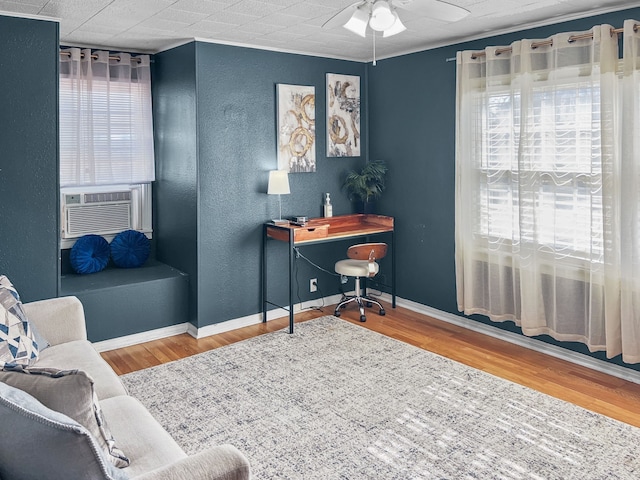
point(310, 232)
point(300, 234)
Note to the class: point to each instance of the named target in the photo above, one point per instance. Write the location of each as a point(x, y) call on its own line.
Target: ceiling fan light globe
point(396, 28)
point(358, 22)
point(382, 18)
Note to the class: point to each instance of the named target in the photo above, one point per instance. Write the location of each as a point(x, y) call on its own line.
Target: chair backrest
point(367, 251)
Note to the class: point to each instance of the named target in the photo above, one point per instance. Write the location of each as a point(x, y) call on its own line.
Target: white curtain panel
point(629, 328)
point(547, 196)
point(106, 124)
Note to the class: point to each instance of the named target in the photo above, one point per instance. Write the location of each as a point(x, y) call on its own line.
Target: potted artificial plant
point(366, 185)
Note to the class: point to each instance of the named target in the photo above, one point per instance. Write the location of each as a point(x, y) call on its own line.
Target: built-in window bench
point(125, 301)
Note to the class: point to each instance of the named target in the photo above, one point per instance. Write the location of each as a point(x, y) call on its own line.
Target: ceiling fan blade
point(437, 9)
point(343, 16)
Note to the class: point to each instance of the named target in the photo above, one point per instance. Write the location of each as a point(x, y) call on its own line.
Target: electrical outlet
point(313, 285)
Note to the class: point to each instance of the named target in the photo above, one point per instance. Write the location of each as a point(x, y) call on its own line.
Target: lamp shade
point(278, 183)
point(358, 21)
point(397, 27)
point(382, 17)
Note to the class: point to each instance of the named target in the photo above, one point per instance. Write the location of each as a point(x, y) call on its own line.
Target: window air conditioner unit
point(100, 213)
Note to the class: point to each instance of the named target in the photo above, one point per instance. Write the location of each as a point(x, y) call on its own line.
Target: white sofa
point(153, 454)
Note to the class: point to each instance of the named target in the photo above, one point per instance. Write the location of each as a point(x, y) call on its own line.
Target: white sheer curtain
point(106, 126)
point(547, 175)
point(630, 196)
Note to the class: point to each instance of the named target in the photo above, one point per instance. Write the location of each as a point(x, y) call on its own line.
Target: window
point(106, 143)
point(556, 207)
point(547, 200)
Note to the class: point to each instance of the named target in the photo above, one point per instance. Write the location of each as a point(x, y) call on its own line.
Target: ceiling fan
point(381, 15)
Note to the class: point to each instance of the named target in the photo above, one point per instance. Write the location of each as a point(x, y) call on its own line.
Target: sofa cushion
point(38, 443)
point(59, 320)
point(81, 355)
point(70, 392)
point(147, 444)
point(17, 341)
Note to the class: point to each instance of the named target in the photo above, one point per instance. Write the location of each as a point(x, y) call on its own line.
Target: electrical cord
point(318, 307)
point(295, 274)
point(295, 266)
point(300, 255)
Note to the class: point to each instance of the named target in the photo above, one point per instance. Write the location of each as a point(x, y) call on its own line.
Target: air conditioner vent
point(102, 219)
point(104, 197)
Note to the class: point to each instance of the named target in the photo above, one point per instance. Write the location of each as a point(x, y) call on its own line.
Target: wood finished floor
point(611, 396)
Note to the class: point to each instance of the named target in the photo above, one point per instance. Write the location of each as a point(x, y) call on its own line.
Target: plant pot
point(366, 207)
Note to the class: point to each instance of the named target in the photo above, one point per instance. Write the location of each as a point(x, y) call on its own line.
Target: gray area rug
point(337, 401)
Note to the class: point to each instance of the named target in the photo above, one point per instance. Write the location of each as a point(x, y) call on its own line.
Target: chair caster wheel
point(382, 312)
point(368, 304)
point(343, 306)
point(363, 318)
point(337, 313)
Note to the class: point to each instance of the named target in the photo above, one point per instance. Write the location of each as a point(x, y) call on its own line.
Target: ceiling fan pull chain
point(374, 48)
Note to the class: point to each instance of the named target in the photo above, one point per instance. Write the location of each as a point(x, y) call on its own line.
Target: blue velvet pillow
point(90, 254)
point(130, 249)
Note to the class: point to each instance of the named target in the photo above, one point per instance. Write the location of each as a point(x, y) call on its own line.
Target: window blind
point(106, 125)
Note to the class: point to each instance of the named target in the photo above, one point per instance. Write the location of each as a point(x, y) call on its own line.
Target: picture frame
point(296, 137)
point(343, 115)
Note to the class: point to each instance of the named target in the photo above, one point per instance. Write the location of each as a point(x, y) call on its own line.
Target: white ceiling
point(284, 25)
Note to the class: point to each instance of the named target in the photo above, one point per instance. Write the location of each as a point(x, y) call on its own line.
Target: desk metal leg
point(264, 274)
point(291, 259)
point(393, 269)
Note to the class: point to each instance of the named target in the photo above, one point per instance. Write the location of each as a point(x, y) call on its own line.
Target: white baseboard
point(523, 341)
point(207, 330)
point(495, 332)
point(257, 318)
point(227, 326)
point(141, 337)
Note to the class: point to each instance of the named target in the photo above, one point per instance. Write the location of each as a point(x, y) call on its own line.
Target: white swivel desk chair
point(360, 264)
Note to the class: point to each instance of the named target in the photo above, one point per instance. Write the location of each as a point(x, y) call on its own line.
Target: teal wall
point(215, 126)
point(176, 149)
point(412, 121)
point(215, 108)
point(29, 155)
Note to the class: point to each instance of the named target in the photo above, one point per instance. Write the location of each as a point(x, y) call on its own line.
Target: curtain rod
point(542, 43)
point(95, 57)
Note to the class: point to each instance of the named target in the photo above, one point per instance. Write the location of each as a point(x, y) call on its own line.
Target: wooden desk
point(320, 230)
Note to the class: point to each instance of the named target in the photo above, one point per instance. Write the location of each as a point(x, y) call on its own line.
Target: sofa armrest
point(224, 462)
point(59, 320)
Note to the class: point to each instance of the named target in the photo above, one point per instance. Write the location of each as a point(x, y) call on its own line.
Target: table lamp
point(278, 185)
